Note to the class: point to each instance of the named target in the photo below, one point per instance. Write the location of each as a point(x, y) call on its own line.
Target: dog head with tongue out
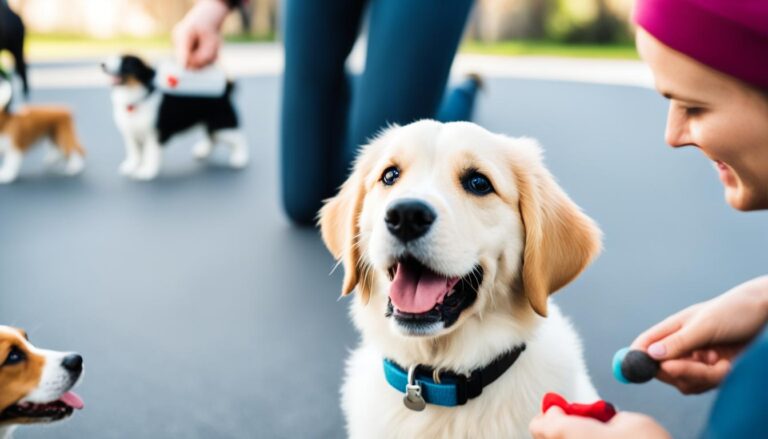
point(35, 384)
point(440, 224)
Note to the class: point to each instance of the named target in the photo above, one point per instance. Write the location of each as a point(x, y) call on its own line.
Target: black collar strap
point(132, 106)
point(450, 389)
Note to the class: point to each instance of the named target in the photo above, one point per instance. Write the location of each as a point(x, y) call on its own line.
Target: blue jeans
point(326, 117)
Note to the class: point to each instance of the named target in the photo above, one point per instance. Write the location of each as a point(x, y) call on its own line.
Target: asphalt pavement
point(202, 313)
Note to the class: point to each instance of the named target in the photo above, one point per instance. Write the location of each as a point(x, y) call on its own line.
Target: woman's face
point(722, 116)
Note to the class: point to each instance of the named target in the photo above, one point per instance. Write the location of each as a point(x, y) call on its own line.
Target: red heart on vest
point(172, 81)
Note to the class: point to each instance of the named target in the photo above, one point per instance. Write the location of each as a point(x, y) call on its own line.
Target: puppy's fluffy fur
point(21, 130)
point(529, 239)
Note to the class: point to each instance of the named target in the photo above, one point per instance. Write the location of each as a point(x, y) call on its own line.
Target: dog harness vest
point(423, 386)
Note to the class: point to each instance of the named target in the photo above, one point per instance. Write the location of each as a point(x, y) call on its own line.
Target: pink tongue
point(71, 399)
point(417, 291)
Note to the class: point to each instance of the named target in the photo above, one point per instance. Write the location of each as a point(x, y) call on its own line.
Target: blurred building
point(492, 20)
point(140, 18)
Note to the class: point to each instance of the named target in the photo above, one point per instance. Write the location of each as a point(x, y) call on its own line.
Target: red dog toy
point(601, 410)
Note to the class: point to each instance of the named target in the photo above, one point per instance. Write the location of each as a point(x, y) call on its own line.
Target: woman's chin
point(740, 198)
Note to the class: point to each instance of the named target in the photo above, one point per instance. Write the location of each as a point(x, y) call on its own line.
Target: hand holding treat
point(696, 346)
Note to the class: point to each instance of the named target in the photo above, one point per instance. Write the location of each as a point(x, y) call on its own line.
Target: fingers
point(661, 330)
point(196, 36)
point(690, 376)
point(628, 425)
point(205, 51)
point(555, 424)
point(183, 41)
point(674, 337)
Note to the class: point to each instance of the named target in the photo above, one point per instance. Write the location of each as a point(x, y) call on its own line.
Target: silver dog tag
point(413, 399)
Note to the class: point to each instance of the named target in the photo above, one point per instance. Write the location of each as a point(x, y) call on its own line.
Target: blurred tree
point(596, 21)
point(254, 17)
point(263, 17)
point(495, 20)
point(588, 21)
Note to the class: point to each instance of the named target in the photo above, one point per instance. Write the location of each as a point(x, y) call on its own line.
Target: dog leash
point(422, 385)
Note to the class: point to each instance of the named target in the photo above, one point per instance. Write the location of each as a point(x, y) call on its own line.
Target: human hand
point(627, 425)
point(196, 38)
point(697, 345)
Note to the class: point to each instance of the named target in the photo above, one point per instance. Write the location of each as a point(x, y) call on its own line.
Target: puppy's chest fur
point(136, 116)
point(552, 362)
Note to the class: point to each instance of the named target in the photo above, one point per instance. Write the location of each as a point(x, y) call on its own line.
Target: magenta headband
point(728, 35)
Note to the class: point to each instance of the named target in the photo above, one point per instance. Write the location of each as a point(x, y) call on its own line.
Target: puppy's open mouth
point(420, 299)
point(118, 80)
point(52, 411)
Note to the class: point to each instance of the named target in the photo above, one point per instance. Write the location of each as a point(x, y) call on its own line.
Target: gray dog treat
point(639, 367)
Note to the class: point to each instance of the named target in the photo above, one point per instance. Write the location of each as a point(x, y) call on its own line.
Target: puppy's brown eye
point(390, 175)
point(16, 356)
point(477, 183)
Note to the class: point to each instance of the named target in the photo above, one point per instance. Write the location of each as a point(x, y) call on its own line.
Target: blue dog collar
point(452, 389)
point(445, 393)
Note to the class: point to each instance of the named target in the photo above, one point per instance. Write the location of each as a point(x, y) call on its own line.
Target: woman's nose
point(677, 133)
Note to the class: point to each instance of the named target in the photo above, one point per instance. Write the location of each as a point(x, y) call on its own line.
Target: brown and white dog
point(454, 238)
point(21, 130)
point(35, 384)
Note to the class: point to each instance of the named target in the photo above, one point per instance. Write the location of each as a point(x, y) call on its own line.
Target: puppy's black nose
point(73, 363)
point(409, 219)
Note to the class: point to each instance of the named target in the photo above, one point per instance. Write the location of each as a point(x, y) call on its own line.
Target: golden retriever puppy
point(454, 238)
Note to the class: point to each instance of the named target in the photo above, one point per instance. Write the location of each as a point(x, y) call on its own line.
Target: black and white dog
point(12, 40)
point(148, 118)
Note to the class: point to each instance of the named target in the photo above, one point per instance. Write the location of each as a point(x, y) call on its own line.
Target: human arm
point(196, 38)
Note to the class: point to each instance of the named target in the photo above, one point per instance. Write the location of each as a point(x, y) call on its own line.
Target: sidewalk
point(266, 59)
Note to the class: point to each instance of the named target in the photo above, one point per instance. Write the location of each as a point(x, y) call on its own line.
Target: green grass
point(550, 48)
point(41, 46)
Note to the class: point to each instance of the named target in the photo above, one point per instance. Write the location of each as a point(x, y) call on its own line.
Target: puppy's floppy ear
point(340, 216)
point(340, 229)
point(560, 240)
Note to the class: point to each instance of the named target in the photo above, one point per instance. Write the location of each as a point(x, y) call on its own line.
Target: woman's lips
point(725, 173)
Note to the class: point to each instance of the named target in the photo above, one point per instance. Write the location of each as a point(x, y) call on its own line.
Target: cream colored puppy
point(454, 238)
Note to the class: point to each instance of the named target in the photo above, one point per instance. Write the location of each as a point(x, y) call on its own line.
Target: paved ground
point(267, 59)
point(201, 313)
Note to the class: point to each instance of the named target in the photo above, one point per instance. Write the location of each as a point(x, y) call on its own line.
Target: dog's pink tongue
point(417, 291)
point(71, 399)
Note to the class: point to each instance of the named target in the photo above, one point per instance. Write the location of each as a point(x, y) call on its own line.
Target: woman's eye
point(390, 175)
point(477, 183)
point(693, 111)
point(14, 357)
